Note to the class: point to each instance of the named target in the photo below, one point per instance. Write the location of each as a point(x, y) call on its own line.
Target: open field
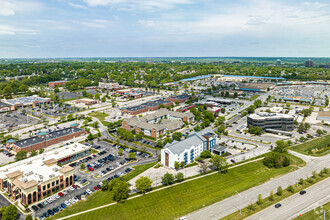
point(316, 147)
point(101, 116)
point(184, 198)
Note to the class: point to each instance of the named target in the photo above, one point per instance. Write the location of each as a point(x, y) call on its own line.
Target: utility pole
point(240, 210)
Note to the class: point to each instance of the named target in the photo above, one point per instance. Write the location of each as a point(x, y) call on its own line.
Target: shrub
point(271, 196)
point(279, 191)
point(260, 200)
point(276, 160)
point(290, 189)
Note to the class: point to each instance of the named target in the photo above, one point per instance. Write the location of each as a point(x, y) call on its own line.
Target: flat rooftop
point(46, 136)
point(60, 81)
point(182, 96)
point(2, 104)
point(26, 100)
point(148, 104)
point(266, 115)
point(34, 167)
point(324, 114)
point(256, 85)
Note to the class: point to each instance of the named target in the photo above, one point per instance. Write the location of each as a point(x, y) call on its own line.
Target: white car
point(57, 196)
point(71, 188)
point(64, 192)
point(100, 173)
point(67, 203)
point(89, 191)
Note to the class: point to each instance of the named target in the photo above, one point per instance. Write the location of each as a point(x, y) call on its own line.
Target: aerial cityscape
point(185, 110)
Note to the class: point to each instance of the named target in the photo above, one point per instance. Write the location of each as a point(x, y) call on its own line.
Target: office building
point(188, 149)
point(273, 121)
point(309, 63)
point(37, 177)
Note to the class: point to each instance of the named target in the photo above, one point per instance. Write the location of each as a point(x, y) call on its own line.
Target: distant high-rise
point(278, 62)
point(309, 63)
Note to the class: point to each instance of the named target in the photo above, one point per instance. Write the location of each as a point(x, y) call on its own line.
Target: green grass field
point(316, 213)
point(181, 199)
point(101, 116)
point(101, 197)
point(316, 147)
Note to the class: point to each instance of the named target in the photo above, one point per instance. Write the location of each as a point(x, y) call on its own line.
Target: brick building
point(147, 106)
point(180, 98)
point(45, 139)
point(56, 83)
point(86, 101)
point(37, 177)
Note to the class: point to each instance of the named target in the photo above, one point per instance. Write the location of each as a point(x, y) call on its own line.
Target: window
point(48, 185)
point(53, 183)
point(57, 182)
point(44, 188)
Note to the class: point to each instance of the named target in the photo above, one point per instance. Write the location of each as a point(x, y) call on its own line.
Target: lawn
point(316, 213)
point(181, 199)
point(101, 116)
point(254, 97)
point(316, 147)
point(101, 198)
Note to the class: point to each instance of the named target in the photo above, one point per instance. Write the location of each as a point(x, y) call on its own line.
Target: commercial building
point(28, 101)
point(291, 98)
point(147, 106)
point(86, 101)
point(5, 107)
point(323, 116)
point(180, 98)
point(35, 178)
point(309, 63)
point(130, 93)
point(256, 87)
point(186, 108)
point(158, 123)
point(109, 86)
point(45, 139)
point(56, 83)
point(274, 121)
point(188, 149)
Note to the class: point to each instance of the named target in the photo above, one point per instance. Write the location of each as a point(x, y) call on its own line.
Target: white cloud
point(11, 7)
point(77, 6)
point(95, 23)
point(130, 5)
point(10, 30)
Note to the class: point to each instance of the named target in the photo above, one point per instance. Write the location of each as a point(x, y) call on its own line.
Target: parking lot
point(16, 120)
point(6, 157)
point(54, 111)
point(113, 168)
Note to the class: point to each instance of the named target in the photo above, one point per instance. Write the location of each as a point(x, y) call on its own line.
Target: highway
point(297, 203)
point(234, 203)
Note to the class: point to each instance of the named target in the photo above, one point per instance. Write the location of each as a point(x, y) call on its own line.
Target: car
point(302, 192)
point(40, 205)
point(50, 212)
point(44, 203)
point(55, 210)
point(46, 214)
point(57, 196)
point(233, 161)
point(35, 208)
point(67, 203)
point(41, 217)
point(59, 208)
point(90, 169)
point(63, 205)
point(74, 186)
point(95, 187)
point(277, 205)
point(89, 191)
point(61, 194)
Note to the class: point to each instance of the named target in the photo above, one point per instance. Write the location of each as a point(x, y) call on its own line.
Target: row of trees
point(23, 154)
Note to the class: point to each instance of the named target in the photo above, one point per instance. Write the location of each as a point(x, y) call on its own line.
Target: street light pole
point(240, 210)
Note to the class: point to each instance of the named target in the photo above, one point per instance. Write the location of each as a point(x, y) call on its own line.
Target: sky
point(164, 28)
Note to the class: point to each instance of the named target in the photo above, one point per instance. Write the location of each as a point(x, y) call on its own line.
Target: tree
point(205, 154)
point(255, 130)
point(221, 129)
point(223, 110)
point(219, 163)
point(319, 132)
point(143, 184)
point(290, 189)
point(120, 190)
point(29, 217)
point(10, 213)
point(179, 177)
point(177, 136)
point(251, 109)
point(160, 143)
point(271, 196)
point(260, 200)
point(203, 167)
point(276, 160)
point(21, 155)
point(176, 165)
point(177, 103)
point(120, 151)
point(132, 156)
point(82, 166)
point(167, 179)
point(105, 185)
point(257, 103)
point(90, 137)
point(33, 153)
point(279, 191)
point(23, 88)
point(281, 146)
point(41, 150)
point(7, 91)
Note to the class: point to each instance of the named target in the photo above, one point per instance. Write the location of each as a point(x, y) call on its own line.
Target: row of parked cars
point(52, 199)
point(7, 153)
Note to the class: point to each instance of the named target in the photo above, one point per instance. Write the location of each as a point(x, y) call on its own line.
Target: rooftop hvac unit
point(51, 175)
point(28, 173)
point(56, 152)
point(41, 176)
point(55, 169)
point(24, 180)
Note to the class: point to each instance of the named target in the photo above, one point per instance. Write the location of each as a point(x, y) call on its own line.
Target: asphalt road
point(234, 203)
point(296, 203)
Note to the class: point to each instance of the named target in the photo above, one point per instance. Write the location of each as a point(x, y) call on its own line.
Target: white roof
point(266, 115)
point(33, 168)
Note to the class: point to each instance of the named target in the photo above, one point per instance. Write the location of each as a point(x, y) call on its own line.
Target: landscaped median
point(315, 147)
point(280, 194)
point(317, 213)
point(180, 199)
